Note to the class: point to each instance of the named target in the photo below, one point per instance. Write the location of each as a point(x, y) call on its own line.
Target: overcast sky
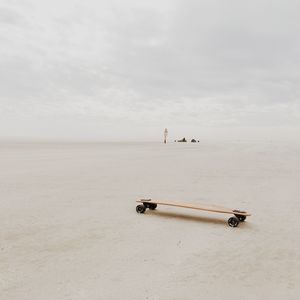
point(115, 69)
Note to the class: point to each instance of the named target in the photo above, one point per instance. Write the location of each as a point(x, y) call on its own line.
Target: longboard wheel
point(233, 222)
point(140, 209)
point(241, 217)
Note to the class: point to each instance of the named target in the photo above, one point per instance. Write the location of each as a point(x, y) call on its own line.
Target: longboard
point(239, 216)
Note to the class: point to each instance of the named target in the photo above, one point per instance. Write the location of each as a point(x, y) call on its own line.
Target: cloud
point(195, 63)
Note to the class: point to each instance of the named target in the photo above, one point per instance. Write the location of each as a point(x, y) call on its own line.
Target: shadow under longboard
point(186, 217)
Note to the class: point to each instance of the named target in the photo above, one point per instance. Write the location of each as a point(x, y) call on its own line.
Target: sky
point(112, 70)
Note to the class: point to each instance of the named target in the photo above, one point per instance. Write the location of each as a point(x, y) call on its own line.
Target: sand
point(69, 229)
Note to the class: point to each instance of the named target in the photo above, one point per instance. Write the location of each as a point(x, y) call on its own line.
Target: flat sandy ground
point(69, 229)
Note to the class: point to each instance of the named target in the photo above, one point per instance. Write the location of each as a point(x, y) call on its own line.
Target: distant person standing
point(165, 135)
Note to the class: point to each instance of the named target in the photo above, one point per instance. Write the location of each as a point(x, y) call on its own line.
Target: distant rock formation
point(194, 141)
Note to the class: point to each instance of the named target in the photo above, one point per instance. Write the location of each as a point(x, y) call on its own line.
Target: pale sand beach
point(69, 229)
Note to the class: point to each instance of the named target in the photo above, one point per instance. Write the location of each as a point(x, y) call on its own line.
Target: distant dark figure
point(194, 141)
point(182, 140)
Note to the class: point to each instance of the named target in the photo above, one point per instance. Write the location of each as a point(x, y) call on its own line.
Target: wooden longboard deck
point(205, 207)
